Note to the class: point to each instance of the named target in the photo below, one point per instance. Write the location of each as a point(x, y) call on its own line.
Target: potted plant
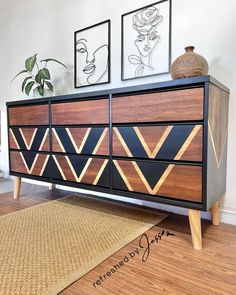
point(38, 78)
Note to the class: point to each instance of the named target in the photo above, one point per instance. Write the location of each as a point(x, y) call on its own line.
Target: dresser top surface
point(159, 86)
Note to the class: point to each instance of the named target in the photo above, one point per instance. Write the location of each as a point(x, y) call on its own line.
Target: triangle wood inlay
point(193, 146)
point(90, 169)
point(160, 181)
point(78, 137)
point(133, 175)
point(102, 147)
point(13, 140)
point(28, 135)
point(218, 129)
point(38, 161)
point(188, 142)
point(146, 136)
point(117, 138)
point(45, 142)
point(148, 133)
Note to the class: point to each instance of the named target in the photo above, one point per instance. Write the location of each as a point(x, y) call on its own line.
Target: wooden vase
point(189, 64)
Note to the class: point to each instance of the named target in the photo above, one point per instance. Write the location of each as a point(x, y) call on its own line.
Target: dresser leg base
point(51, 186)
point(215, 219)
point(195, 226)
point(17, 187)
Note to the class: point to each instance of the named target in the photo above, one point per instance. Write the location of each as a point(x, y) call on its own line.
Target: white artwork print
point(146, 38)
point(92, 55)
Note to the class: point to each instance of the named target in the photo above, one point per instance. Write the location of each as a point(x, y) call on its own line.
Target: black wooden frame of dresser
point(157, 87)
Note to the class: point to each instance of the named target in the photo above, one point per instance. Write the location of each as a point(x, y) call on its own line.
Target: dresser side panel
point(217, 144)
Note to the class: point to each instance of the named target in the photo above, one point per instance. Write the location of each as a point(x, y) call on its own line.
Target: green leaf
point(28, 87)
point(44, 73)
point(30, 63)
point(52, 59)
point(21, 72)
point(24, 83)
point(38, 77)
point(40, 90)
point(50, 86)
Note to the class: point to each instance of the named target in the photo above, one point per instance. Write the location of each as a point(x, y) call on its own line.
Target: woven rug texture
point(45, 248)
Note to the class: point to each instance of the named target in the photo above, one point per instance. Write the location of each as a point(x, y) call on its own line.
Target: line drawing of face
point(147, 41)
point(145, 22)
point(92, 63)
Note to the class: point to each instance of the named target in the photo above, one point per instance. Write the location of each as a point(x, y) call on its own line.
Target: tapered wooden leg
point(215, 214)
point(195, 226)
point(52, 186)
point(17, 187)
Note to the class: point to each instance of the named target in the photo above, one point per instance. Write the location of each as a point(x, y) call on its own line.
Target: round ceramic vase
point(189, 64)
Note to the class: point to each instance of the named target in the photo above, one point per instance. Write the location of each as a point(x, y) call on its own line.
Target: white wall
point(46, 28)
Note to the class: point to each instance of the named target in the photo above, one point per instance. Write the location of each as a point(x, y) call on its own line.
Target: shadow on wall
point(221, 73)
point(65, 83)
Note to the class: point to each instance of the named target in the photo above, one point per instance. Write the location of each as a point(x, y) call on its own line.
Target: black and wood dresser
point(164, 142)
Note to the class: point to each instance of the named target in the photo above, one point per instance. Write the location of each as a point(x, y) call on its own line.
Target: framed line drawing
point(146, 41)
point(92, 55)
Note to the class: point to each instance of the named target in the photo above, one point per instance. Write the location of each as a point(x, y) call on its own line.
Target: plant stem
point(37, 65)
point(33, 77)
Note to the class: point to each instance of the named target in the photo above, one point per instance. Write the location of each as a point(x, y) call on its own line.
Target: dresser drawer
point(31, 163)
point(35, 139)
point(91, 140)
point(156, 178)
point(177, 105)
point(81, 169)
point(29, 115)
point(170, 142)
point(81, 112)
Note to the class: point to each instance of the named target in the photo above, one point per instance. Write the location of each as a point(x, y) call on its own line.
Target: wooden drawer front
point(81, 169)
point(94, 141)
point(81, 112)
point(155, 178)
point(178, 105)
point(31, 163)
point(179, 142)
point(29, 115)
point(35, 139)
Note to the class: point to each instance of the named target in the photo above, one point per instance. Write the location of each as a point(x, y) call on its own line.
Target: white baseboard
point(228, 215)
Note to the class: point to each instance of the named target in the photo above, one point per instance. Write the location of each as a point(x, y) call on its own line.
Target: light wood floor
point(173, 266)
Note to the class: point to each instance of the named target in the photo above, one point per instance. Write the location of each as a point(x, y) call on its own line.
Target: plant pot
point(47, 93)
point(189, 64)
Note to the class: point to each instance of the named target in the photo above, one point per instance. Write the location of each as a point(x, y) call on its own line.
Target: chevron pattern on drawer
point(31, 163)
point(172, 142)
point(158, 178)
point(36, 139)
point(94, 141)
point(81, 169)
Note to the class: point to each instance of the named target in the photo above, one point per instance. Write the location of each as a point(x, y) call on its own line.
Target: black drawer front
point(158, 178)
point(81, 169)
point(170, 142)
point(29, 138)
point(81, 140)
point(31, 163)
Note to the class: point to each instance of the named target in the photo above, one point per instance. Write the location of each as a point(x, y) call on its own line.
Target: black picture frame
point(146, 21)
point(86, 40)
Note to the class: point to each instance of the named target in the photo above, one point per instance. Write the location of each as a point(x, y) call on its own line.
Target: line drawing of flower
point(145, 22)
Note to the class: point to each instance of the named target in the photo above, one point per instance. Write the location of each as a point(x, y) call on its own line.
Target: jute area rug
point(45, 248)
